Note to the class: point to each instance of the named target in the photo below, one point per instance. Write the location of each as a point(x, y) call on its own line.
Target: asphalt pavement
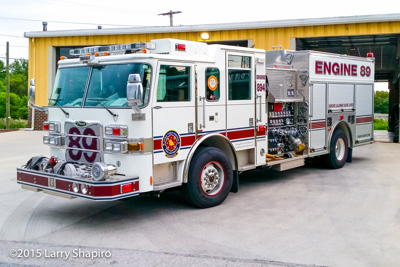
point(307, 216)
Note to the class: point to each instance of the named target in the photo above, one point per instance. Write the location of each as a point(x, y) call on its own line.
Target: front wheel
point(338, 150)
point(210, 178)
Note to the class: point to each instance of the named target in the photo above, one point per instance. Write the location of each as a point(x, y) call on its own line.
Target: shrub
point(14, 124)
point(380, 124)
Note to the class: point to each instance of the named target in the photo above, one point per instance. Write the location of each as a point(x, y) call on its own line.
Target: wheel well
point(346, 129)
point(213, 140)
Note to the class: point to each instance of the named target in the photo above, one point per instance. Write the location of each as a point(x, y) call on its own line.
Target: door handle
point(202, 126)
point(260, 118)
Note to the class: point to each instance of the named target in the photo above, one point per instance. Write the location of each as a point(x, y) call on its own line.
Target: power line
point(16, 45)
point(69, 22)
point(85, 6)
point(15, 58)
point(14, 36)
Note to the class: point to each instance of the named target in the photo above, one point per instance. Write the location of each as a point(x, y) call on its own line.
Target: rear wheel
point(338, 150)
point(209, 179)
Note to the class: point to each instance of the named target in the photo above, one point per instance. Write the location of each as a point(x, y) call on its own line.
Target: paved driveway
point(304, 216)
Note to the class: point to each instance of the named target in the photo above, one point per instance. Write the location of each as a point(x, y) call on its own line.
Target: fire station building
point(352, 35)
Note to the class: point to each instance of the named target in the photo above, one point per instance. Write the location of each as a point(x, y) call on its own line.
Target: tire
point(338, 150)
point(210, 178)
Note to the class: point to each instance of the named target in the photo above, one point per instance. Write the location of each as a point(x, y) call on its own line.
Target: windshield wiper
point(115, 116)
point(56, 100)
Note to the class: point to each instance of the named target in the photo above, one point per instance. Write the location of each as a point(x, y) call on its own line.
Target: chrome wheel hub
point(340, 149)
point(212, 178)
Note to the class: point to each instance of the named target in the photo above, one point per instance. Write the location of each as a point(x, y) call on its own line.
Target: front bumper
point(64, 186)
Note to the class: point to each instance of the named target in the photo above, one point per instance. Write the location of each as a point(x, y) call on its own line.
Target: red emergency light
point(116, 131)
point(180, 47)
point(126, 188)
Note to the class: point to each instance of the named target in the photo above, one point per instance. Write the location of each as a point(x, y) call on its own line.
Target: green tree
point(19, 66)
point(19, 84)
point(2, 71)
point(18, 89)
point(381, 102)
point(2, 86)
point(18, 106)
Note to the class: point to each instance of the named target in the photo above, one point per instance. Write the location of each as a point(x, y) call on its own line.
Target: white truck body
point(251, 107)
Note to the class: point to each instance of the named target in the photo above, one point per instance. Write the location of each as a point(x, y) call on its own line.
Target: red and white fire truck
point(129, 119)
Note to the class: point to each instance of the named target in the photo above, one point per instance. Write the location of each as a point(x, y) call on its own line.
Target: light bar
point(111, 48)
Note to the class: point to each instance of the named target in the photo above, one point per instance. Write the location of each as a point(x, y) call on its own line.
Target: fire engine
point(139, 118)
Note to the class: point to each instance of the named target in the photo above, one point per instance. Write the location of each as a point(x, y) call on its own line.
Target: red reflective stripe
point(364, 120)
point(233, 135)
point(188, 140)
point(318, 125)
point(157, 144)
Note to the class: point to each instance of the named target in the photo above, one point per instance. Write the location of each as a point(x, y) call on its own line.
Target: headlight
point(116, 146)
point(84, 188)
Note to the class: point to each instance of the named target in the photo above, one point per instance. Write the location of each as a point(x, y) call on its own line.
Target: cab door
point(240, 100)
point(211, 100)
point(240, 108)
point(173, 112)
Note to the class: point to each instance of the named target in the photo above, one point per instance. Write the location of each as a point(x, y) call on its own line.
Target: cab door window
point(173, 84)
point(212, 84)
point(239, 77)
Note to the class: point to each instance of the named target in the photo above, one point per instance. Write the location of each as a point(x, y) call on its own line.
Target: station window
point(173, 84)
point(212, 81)
point(239, 77)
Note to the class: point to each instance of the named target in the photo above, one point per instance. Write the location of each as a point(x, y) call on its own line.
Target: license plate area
point(84, 142)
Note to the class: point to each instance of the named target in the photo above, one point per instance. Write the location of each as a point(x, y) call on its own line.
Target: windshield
point(69, 87)
point(106, 87)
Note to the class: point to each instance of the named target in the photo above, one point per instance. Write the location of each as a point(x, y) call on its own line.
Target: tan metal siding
point(264, 38)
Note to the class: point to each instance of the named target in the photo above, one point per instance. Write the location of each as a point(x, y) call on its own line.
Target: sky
point(19, 16)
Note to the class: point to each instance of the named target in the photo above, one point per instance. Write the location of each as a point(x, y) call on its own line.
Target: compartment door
point(317, 124)
point(364, 113)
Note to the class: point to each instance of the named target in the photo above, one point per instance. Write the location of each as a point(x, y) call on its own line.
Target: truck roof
point(167, 49)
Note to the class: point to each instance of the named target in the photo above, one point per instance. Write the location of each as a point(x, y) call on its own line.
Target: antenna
point(170, 14)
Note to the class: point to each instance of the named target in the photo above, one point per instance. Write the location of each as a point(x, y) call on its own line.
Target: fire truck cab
point(144, 117)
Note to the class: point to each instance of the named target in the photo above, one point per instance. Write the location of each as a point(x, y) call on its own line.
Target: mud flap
point(349, 155)
point(235, 182)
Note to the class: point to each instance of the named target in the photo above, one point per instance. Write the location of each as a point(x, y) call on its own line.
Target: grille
point(84, 142)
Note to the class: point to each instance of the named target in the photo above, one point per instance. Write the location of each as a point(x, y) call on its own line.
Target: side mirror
point(31, 97)
point(31, 94)
point(134, 90)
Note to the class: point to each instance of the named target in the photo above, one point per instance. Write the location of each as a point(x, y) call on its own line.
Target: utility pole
point(8, 86)
point(170, 14)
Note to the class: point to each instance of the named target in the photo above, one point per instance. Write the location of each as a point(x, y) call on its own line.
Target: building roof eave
point(220, 27)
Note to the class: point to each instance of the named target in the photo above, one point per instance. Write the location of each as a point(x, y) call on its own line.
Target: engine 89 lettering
point(341, 69)
point(365, 71)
